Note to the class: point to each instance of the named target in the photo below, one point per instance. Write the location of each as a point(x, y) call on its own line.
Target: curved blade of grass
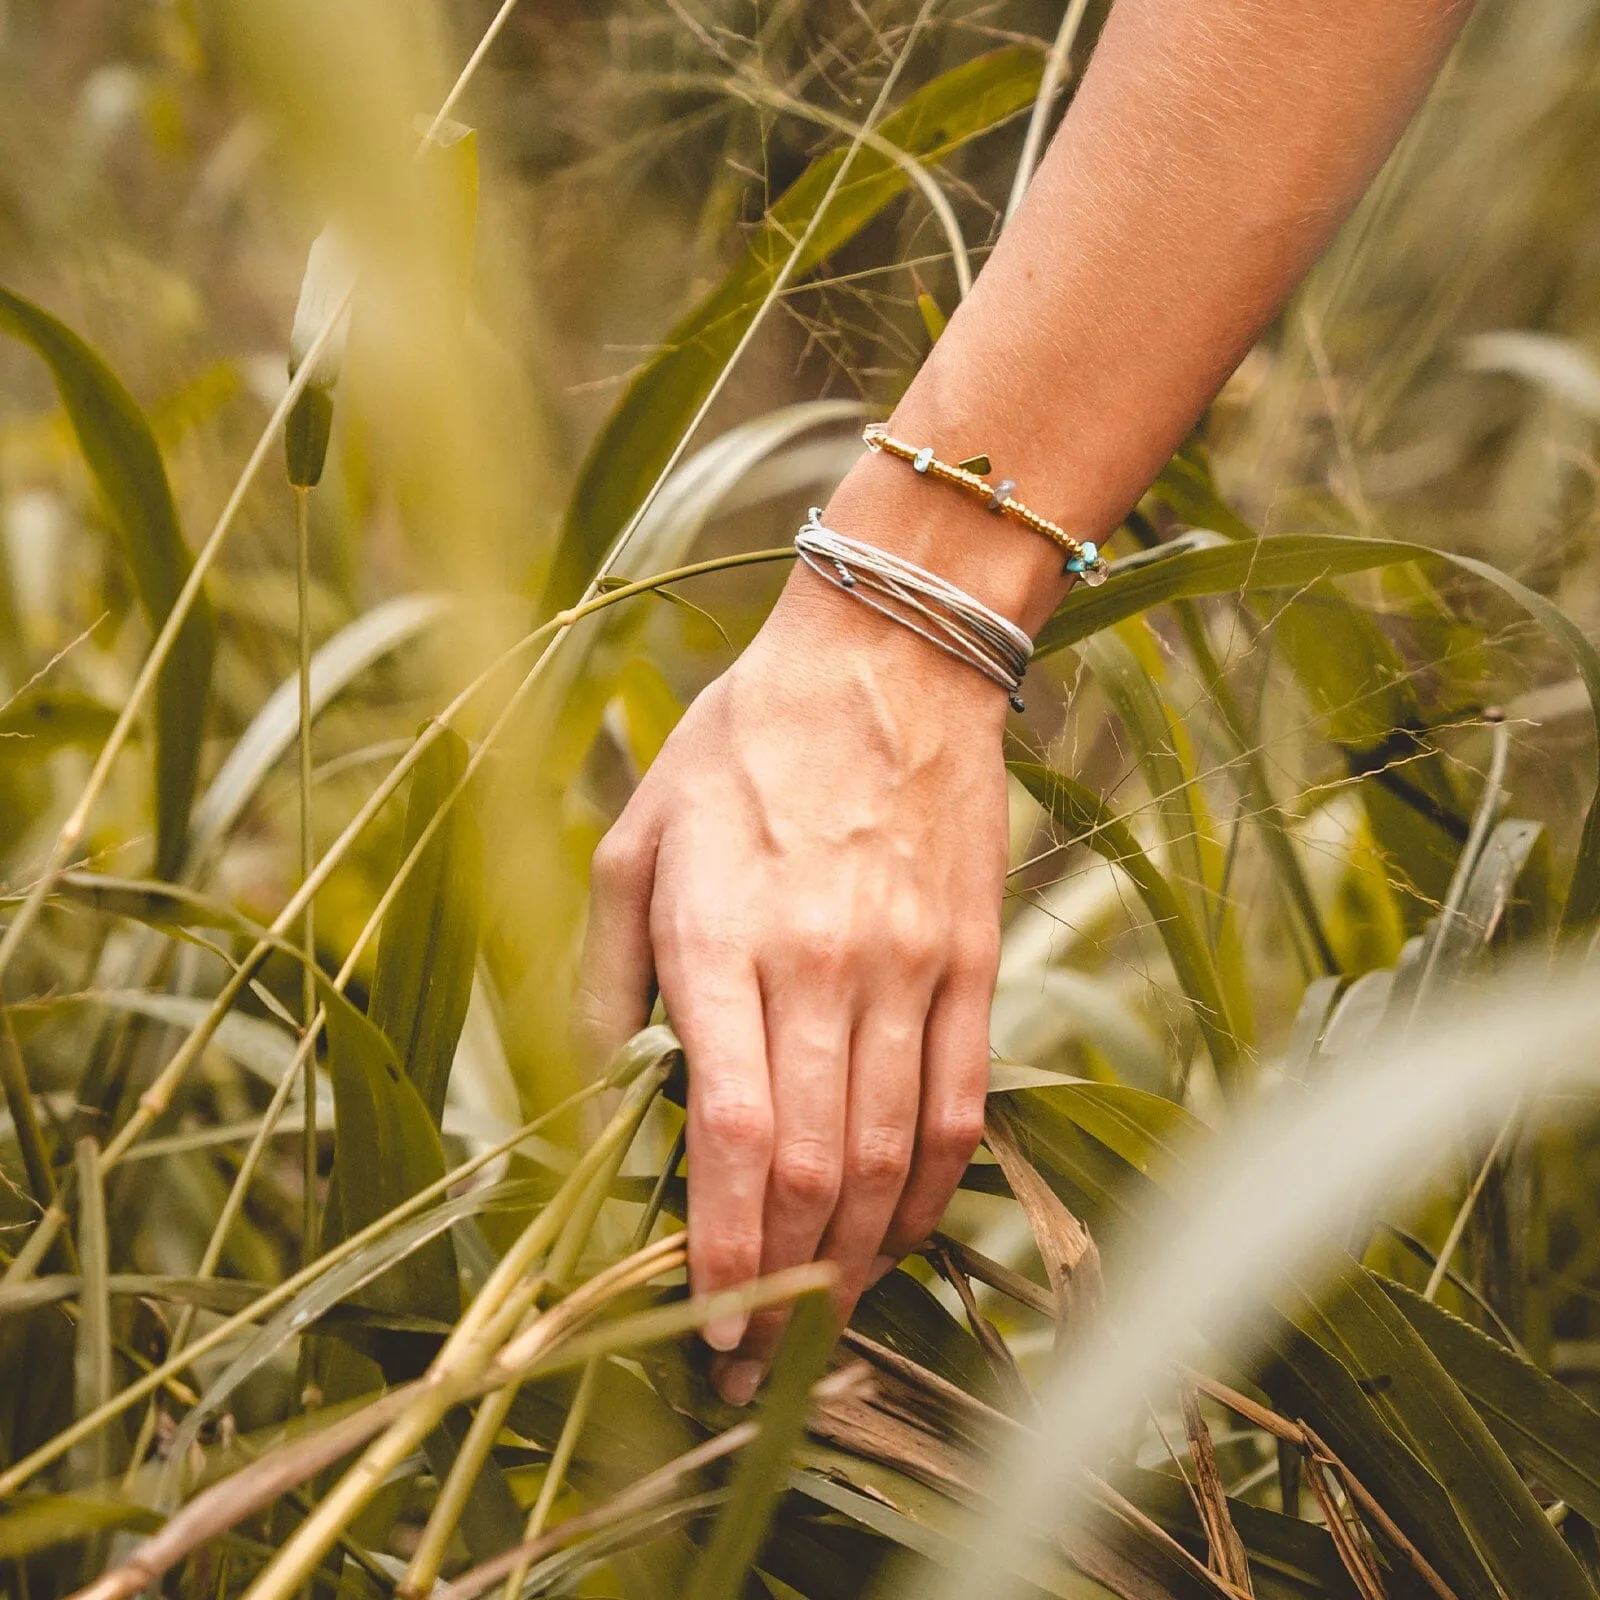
point(126, 463)
point(429, 944)
point(638, 441)
point(1086, 816)
point(584, 678)
point(272, 731)
point(1206, 563)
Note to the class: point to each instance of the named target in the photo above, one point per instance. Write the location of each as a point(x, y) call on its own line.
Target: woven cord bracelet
point(936, 610)
point(1083, 555)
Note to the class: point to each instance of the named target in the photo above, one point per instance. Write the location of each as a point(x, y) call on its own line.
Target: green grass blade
point(763, 1468)
point(639, 439)
point(387, 1148)
point(126, 463)
point(1086, 816)
point(1541, 1424)
point(92, 1368)
point(430, 933)
point(1205, 563)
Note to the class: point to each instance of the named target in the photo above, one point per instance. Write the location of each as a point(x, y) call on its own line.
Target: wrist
point(829, 642)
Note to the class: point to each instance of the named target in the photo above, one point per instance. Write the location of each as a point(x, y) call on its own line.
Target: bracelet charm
point(1084, 558)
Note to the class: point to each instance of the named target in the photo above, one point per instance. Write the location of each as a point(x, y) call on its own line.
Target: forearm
point(1212, 150)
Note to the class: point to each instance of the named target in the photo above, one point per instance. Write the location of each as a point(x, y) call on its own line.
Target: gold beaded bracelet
point(1083, 555)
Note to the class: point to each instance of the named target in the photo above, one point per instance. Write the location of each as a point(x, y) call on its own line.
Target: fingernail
point(724, 1333)
point(739, 1380)
point(881, 1267)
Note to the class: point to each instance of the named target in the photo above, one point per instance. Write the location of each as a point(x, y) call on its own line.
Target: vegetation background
point(1293, 798)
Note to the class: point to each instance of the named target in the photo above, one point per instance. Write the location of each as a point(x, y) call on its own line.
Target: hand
point(812, 872)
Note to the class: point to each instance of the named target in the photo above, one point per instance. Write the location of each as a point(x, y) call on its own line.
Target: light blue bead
point(1091, 553)
point(924, 459)
point(1076, 563)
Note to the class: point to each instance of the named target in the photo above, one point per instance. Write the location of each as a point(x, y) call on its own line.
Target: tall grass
point(324, 1271)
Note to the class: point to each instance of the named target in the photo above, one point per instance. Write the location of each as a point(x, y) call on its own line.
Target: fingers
point(715, 1006)
point(808, 1042)
point(955, 1084)
point(880, 1133)
point(616, 975)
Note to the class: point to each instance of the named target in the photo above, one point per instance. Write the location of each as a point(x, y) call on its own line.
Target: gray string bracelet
point(931, 607)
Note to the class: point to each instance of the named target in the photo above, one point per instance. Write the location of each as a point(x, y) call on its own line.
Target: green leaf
point(1086, 816)
point(44, 718)
point(637, 442)
point(763, 1468)
point(430, 934)
point(1204, 563)
point(122, 455)
point(36, 1522)
point(387, 1149)
point(1541, 1424)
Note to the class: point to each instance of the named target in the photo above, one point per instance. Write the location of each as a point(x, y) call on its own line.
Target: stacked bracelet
point(1083, 555)
point(936, 610)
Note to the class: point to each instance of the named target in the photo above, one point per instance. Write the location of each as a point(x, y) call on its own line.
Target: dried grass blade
point(1227, 1549)
point(1071, 1259)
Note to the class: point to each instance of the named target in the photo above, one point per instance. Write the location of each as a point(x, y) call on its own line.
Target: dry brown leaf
point(1071, 1259)
point(1227, 1548)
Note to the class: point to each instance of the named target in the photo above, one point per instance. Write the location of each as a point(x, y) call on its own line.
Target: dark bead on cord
point(1002, 489)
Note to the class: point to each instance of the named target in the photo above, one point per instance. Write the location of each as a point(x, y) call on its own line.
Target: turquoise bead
point(924, 459)
point(1091, 553)
point(1075, 564)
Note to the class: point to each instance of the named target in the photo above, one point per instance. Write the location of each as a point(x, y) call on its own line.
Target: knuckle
point(880, 1156)
point(955, 1131)
point(816, 939)
point(806, 1173)
point(698, 931)
point(977, 953)
point(913, 942)
point(618, 862)
point(733, 1116)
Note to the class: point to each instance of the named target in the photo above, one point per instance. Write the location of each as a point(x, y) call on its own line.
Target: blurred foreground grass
point(1301, 793)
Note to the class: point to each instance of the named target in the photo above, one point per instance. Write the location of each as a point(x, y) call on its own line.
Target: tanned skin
point(812, 869)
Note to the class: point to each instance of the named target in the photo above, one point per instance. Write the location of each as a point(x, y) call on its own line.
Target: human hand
point(812, 871)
